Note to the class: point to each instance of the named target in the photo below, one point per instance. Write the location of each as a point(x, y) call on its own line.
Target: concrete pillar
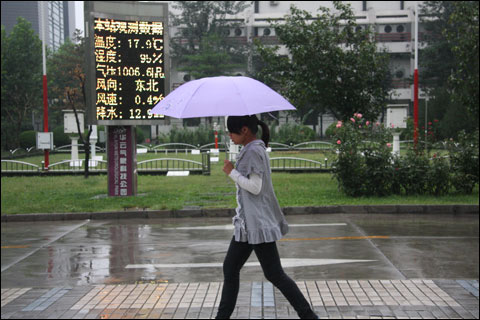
point(93, 142)
point(396, 143)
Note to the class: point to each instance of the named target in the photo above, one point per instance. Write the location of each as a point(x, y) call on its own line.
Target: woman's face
point(240, 138)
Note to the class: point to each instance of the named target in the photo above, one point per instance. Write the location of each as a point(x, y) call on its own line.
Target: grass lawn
point(77, 194)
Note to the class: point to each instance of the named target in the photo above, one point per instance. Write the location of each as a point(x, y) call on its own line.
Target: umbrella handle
point(225, 144)
point(225, 139)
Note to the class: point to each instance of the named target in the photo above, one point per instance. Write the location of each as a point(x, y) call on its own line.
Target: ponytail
point(265, 132)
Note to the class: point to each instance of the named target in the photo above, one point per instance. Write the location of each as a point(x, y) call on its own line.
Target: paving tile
point(331, 299)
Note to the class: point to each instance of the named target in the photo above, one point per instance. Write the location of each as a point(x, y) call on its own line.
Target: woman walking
point(259, 221)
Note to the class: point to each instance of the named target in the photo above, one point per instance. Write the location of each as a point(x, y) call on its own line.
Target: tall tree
point(464, 40)
point(21, 80)
point(449, 64)
point(201, 46)
point(66, 73)
point(435, 58)
point(213, 59)
point(68, 83)
point(332, 66)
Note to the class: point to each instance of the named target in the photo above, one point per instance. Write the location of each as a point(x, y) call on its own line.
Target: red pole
point(44, 62)
point(45, 118)
point(415, 107)
point(216, 140)
point(415, 82)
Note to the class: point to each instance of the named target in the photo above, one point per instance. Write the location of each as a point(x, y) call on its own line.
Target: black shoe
point(310, 315)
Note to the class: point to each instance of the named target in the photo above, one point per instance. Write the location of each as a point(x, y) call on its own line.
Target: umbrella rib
point(191, 97)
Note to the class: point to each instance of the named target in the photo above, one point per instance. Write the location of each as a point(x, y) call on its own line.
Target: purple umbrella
point(221, 96)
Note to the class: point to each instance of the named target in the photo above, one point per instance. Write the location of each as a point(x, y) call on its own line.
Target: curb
point(210, 213)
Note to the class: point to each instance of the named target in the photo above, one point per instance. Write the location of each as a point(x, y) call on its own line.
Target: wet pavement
point(329, 255)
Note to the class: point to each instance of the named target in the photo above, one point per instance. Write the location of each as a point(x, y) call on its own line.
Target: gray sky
point(79, 16)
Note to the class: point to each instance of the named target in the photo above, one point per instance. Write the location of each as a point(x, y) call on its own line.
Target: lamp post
point(426, 117)
point(415, 82)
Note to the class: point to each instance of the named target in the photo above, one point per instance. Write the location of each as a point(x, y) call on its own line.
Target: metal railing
point(173, 147)
point(68, 148)
point(77, 167)
point(291, 164)
point(209, 146)
point(163, 165)
point(153, 166)
point(14, 167)
point(313, 145)
point(277, 146)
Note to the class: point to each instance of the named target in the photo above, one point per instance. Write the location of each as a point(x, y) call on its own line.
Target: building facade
point(61, 18)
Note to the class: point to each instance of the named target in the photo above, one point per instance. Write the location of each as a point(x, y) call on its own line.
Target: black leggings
point(267, 254)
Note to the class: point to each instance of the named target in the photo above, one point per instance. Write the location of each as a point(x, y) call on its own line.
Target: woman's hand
point(228, 167)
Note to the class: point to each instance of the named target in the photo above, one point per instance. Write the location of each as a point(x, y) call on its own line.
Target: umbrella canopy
point(221, 96)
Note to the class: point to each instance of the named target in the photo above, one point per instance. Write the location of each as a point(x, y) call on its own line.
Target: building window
point(56, 24)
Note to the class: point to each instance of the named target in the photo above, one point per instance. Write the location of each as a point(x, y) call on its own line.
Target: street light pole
point(415, 82)
point(426, 116)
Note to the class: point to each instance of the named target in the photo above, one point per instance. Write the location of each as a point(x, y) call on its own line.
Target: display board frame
point(122, 11)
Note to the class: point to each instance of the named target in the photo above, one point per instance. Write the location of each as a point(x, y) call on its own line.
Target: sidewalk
point(357, 299)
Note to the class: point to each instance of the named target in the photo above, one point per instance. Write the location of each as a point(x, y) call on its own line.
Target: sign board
point(45, 140)
point(397, 116)
point(70, 122)
point(178, 173)
point(122, 161)
point(127, 61)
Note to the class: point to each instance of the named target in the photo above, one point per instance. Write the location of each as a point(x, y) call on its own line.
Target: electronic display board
point(129, 68)
point(127, 62)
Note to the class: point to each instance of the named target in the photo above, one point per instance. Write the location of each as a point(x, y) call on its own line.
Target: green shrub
point(330, 132)
point(410, 174)
point(379, 170)
point(350, 173)
point(364, 163)
point(438, 180)
point(140, 135)
point(28, 139)
point(292, 134)
point(366, 167)
point(201, 136)
point(60, 138)
point(464, 161)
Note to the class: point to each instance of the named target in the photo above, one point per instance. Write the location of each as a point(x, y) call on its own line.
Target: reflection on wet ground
point(323, 246)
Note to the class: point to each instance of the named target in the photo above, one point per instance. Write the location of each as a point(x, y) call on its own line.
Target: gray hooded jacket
point(259, 218)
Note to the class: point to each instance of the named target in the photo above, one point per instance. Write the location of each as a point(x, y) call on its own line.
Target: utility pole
point(44, 20)
point(415, 82)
